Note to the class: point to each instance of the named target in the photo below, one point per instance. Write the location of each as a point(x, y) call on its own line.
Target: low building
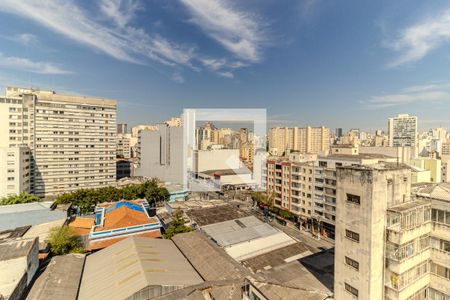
point(18, 215)
point(136, 268)
point(123, 168)
point(60, 280)
point(431, 164)
point(247, 237)
point(177, 192)
point(229, 179)
point(118, 220)
point(19, 262)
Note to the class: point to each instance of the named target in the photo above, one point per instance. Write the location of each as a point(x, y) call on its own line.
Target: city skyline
point(157, 59)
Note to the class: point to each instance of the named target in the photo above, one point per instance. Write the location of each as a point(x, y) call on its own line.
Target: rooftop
point(238, 230)
point(403, 207)
point(439, 191)
point(16, 248)
point(356, 156)
point(278, 257)
point(247, 237)
point(42, 231)
point(216, 214)
point(18, 215)
point(210, 261)
point(381, 166)
point(127, 267)
point(60, 280)
point(227, 172)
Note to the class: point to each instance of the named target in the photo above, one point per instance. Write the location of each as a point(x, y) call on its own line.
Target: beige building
point(291, 184)
point(431, 164)
point(304, 140)
point(390, 244)
point(72, 139)
point(14, 170)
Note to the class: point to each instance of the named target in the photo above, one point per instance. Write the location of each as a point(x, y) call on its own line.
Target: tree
point(63, 240)
point(22, 198)
point(154, 193)
point(177, 225)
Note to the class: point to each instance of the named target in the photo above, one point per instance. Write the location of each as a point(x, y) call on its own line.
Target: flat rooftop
point(227, 172)
point(216, 214)
point(18, 215)
point(238, 230)
point(409, 205)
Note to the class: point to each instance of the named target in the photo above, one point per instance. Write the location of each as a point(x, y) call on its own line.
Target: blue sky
point(308, 62)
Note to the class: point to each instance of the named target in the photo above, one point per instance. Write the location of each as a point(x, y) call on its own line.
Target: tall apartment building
point(122, 128)
point(390, 244)
point(291, 185)
point(14, 170)
point(403, 131)
point(72, 139)
point(325, 184)
point(303, 140)
point(124, 149)
point(160, 154)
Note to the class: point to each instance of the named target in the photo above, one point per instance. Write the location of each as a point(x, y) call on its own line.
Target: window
point(351, 289)
point(353, 199)
point(352, 235)
point(352, 263)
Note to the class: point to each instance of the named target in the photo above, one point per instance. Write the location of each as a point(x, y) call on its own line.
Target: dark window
point(352, 235)
point(353, 198)
point(351, 262)
point(351, 289)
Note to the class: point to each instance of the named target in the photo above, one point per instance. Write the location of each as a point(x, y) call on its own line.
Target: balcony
point(401, 236)
point(440, 256)
point(402, 266)
point(441, 231)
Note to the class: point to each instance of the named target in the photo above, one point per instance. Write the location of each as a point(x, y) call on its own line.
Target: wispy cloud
point(417, 40)
point(430, 93)
point(125, 43)
point(120, 11)
point(26, 65)
point(238, 31)
point(177, 77)
point(26, 39)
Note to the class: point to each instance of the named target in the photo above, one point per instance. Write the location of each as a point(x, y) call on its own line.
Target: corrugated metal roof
point(121, 270)
point(60, 280)
point(17, 215)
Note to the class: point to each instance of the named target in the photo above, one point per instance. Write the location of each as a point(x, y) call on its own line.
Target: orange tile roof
point(81, 226)
point(105, 243)
point(123, 217)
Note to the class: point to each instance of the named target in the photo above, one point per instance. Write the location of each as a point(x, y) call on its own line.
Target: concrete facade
point(71, 138)
point(14, 171)
point(160, 154)
point(303, 140)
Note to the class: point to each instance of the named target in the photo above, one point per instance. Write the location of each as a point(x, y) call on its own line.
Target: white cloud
point(124, 43)
point(26, 65)
point(238, 31)
point(26, 39)
point(120, 11)
point(430, 93)
point(226, 74)
point(416, 41)
point(177, 77)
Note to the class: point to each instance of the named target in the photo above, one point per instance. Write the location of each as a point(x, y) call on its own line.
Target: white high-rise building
point(72, 139)
point(403, 131)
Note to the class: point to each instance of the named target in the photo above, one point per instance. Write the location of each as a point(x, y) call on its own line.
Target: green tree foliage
point(22, 198)
point(262, 198)
point(154, 193)
point(88, 198)
point(63, 240)
point(177, 225)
